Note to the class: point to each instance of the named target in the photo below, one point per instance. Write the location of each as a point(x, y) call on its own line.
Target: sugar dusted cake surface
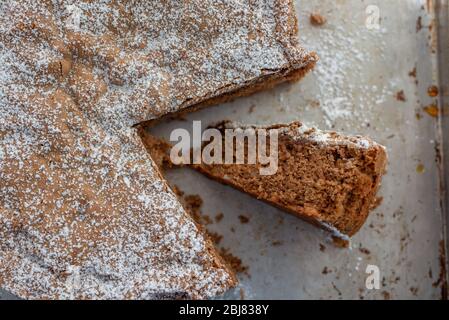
point(84, 213)
point(326, 178)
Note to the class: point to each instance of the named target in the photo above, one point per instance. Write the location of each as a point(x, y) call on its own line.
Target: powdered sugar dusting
point(83, 211)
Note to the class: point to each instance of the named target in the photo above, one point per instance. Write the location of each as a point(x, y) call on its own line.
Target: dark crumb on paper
point(317, 19)
point(322, 247)
point(177, 191)
point(400, 96)
point(414, 291)
point(386, 295)
point(364, 251)
point(234, 262)
point(326, 271)
point(207, 219)
point(414, 74)
point(336, 289)
point(219, 217)
point(276, 243)
point(433, 91)
point(243, 219)
point(215, 237)
point(192, 204)
point(419, 24)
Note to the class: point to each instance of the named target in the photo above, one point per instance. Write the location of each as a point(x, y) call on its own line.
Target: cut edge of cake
point(367, 173)
point(61, 69)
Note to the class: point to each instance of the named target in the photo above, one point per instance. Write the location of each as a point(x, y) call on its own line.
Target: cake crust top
point(84, 213)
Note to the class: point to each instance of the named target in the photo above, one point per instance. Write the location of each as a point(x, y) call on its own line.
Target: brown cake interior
point(331, 184)
point(262, 84)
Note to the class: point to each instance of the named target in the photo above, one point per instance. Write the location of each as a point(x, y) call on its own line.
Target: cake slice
point(325, 178)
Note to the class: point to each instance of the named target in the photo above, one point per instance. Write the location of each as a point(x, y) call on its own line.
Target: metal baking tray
point(378, 61)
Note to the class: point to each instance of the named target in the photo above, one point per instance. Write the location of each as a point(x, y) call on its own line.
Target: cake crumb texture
point(84, 212)
point(326, 178)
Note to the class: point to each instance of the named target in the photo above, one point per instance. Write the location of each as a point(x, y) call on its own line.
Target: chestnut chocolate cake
point(84, 212)
point(323, 177)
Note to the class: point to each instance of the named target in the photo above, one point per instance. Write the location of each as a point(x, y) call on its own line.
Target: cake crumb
point(432, 110)
point(386, 295)
point(414, 291)
point(400, 96)
point(219, 217)
point(215, 237)
point(243, 219)
point(340, 243)
point(277, 243)
point(364, 251)
point(193, 205)
point(317, 19)
point(433, 91)
point(322, 247)
point(207, 219)
point(326, 270)
point(419, 24)
point(413, 73)
point(336, 289)
point(177, 190)
point(234, 262)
